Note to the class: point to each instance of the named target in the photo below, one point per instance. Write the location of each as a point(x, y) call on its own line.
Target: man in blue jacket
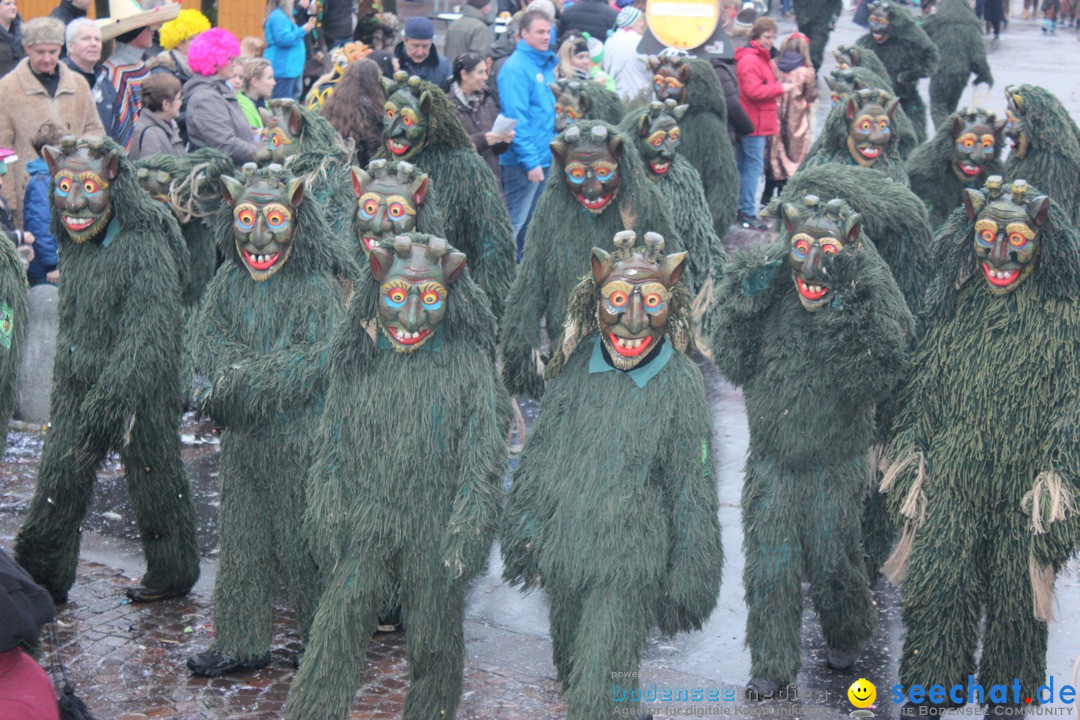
point(525, 96)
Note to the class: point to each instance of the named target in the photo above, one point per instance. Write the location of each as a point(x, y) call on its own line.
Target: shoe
point(212, 664)
point(842, 659)
point(762, 689)
point(144, 594)
point(297, 659)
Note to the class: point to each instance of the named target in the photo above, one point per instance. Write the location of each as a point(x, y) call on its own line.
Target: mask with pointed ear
point(406, 122)
point(815, 232)
point(890, 107)
point(869, 126)
point(591, 167)
point(679, 111)
point(414, 280)
point(660, 142)
point(670, 82)
point(389, 202)
point(791, 215)
point(852, 108)
point(852, 226)
point(635, 289)
point(1008, 230)
point(976, 142)
point(360, 181)
point(973, 202)
point(82, 173)
point(655, 63)
point(264, 209)
point(296, 121)
point(281, 133)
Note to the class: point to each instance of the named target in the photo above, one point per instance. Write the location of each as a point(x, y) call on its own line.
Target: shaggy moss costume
point(859, 132)
point(814, 329)
point(958, 35)
point(1046, 146)
point(13, 321)
point(116, 381)
point(407, 481)
point(477, 222)
point(907, 53)
point(816, 19)
point(704, 138)
point(657, 136)
point(962, 154)
point(576, 100)
point(621, 541)
point(563, 231)
point(263, 345)
point(853, 56)
point(990, 520)
point(845, 82)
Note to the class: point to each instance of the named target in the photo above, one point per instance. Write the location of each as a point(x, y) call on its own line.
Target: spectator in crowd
point(416, 54)
point(7, 222)
point(337, 22)
point(215, 119)
point(257, 86)
point(11, 49)
point(121, 78)
point(470, 33)
point(26, 692)
point(738, 122)
point(155, 130)
point(477, 109)
point(83, 42)
point(252, 46)
point(70, 10)
point(285, 47)
point(38, 90)
point(355, 108)
point(993, 11)
point(789, 147)
point(576, 62)
point(622, 59)
point(316, 54)
point(525, 97)
point(595, 17)
point(758, 91)
point(37, 211)
point(176, 37)
point(502, 50)
point(386, 61)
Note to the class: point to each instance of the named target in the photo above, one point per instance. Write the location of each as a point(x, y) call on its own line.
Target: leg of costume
point(818, 32)
point(433, 610)
point(609, 638)
point(916, 111)
point(47, 545)
point(296, 566)
point(773, 573)
point(939, 601)
point(326, 682)
point(945, 92)
point(164, 512)
point(564, 617)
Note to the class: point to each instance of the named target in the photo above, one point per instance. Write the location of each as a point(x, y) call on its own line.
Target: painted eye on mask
point(245, 218)
point(883, 126)
point(276, 219)
point(865, 126)
point(396, 297)
point(390, 114)
point(988, 142)
point(618, 299)
point(397, 210)
point(658, 141)
point(1017, 240)
point(801, 248)
point(673, 136)
point(835, 98)
point(658, 83)
point(830, 249)
point(967, 143)
point(576, 175)
point(431, 299)
point(91, 187)
point(673, 84)
point(986, 237)
point(63, 186)
point(407, 121)
point(368, 208)
point(653, 302)
point(603, 174)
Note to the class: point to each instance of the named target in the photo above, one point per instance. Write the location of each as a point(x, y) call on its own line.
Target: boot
point(213, 664)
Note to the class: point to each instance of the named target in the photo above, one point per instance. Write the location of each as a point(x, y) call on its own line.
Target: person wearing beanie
point(595, 17)
point(39, 89)
point(621, 58)
point(285, 48)
point(214, 116)
point(470, 33)
point(416, 54)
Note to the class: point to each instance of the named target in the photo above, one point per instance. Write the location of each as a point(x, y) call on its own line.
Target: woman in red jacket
point(759, 91)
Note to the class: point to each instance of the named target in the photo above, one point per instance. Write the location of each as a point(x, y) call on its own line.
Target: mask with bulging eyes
point(1007, 223)
point(659, 130)
point(976, 137)
point(388, 199)
point(283, 126)
point(590, 166)
point(264, 213)
point(869, 115)
point(406, 120)
point(880, 20)
point(81, 176)
point(815, 233)
point(669, 80)
point(1015, 126)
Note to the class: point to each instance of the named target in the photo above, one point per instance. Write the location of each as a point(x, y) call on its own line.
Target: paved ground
point(127, 660)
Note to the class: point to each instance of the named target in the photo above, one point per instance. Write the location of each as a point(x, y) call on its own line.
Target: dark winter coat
point(337, 19)
point(595, 17)
point(434, 69)
point(37, 215)
point(758, 88)
point(65, 12)
point(477, 121)
point(469, 33)
point(152, 136)
point(24, 605)
point(11, 49)
point(215, 119)
point(738, 122)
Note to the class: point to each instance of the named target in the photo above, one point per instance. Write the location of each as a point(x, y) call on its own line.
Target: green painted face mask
point(1007, 222)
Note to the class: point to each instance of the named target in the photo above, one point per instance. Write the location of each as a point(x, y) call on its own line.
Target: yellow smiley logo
point(862, 693)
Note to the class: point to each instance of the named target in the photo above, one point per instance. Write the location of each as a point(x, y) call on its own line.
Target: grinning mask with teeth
point(413, 282)
point(817, 231)
point(570, 104)
point(264, 215)
point(405, 118)
point(591, 165)
point(634, 302)
point(670, 77)
point(283, 124)
point(388, 198)
point(659, 129)
point(869, 114)
point(1014, 126)
point(880, 19)
point(81, 174)
point(976, 134)
point(1007, 222)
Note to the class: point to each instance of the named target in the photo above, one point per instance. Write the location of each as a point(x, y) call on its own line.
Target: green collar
point(111, 232)
point(642, 374)
point(433, 345)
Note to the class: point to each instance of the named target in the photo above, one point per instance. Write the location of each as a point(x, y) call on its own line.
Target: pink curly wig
point(212, 50)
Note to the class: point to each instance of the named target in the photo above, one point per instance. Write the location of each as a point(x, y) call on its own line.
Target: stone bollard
point(35, 373)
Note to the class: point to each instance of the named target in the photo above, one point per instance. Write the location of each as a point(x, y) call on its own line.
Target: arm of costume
point(981, 68)
point(519, 521)
point(520, 326)
point(904, 459)
point(37, 218)
point(282, 31)
point(743, 297)
point(13, 290)
point(514, 99)
point(206, 124)
point(696, 556)
point(481, 451)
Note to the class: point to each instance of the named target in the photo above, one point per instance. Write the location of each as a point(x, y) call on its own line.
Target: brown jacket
point(27, 106)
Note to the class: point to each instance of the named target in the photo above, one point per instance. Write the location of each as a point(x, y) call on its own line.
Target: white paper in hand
point(503, 125)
